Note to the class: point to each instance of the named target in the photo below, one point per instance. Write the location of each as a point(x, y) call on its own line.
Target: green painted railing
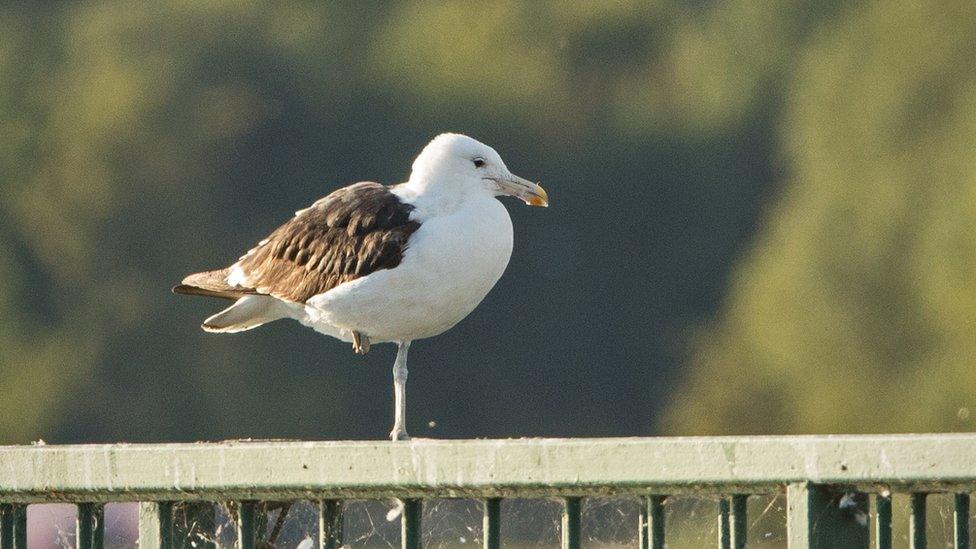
point(826, 479)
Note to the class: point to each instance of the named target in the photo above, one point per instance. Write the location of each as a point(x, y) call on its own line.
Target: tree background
point(761, 220)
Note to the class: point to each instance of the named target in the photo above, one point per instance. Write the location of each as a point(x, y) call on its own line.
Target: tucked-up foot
point(360, 343)
point(399, 433)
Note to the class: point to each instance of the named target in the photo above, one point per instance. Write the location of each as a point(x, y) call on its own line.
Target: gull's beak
point(525, 190)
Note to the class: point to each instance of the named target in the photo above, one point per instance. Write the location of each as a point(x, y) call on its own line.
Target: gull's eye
point(479, 162)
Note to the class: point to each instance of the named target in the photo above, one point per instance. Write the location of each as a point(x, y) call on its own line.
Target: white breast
point(451, 263)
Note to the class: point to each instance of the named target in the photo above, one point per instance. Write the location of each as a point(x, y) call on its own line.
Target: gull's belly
point(450, 265)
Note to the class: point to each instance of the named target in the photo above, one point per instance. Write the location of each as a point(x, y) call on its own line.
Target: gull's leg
point(360, 343)
point(400, 392)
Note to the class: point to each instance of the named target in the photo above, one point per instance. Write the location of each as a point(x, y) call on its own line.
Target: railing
point(827, 481)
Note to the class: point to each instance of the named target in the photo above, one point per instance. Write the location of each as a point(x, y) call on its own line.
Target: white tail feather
point(246, 313)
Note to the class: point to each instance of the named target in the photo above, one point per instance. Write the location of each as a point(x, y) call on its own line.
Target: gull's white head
point(459, 164)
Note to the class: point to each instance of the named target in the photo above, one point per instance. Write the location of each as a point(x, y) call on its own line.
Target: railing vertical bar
point(410, 533)
point(916, 521)
point(492, 524)
point(330, 524)
point(6, 525)
point(20, 526)
point(571, 523)
point(245, 525)
point(651, 525)
point(156, 525)
point(90, 526)
point(724, 529)
point(643, 529)
point(961, 521)
point(882, 520)
point(13, 526)
point(739, 523)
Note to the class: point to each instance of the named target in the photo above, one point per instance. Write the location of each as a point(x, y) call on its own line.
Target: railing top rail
point(482, 468)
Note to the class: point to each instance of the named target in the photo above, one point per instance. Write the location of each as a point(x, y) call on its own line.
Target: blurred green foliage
point(825, 146)
point(854, 308)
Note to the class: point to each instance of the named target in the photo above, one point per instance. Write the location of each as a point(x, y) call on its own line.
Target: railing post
point(916, 521)
point(815, 520)
point(651, 528)
point(882, 520)
point(90, 526)
point(13, 526)
point(738, 527)
point(732, 522)
point(571, 523)
point(961, 521)
point(246, 531)
point(491, 524)
point(410, 533)
point(724, 528)
point(330, 524)
point(156, 525)
point(6, 526)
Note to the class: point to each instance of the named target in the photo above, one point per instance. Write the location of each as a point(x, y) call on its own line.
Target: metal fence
point(832, 483)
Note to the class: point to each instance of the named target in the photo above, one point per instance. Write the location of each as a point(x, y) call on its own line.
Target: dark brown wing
point(349, 234)
point(211, 284)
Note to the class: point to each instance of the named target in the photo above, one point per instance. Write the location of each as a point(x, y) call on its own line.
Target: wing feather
point(349, 234)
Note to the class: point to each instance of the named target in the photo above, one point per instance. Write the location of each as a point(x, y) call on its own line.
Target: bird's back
point(450, 264)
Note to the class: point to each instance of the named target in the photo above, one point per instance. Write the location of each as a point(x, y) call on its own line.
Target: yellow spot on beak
point(540, 199)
